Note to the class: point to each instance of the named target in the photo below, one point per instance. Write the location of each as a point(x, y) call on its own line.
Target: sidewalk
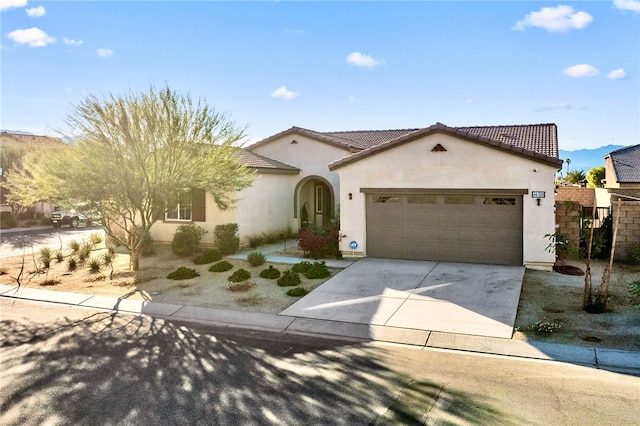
point(616, 360)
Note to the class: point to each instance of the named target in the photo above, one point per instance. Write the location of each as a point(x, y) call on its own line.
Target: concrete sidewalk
point(624, 361)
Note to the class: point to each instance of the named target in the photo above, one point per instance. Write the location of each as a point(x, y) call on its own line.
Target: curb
point(609, 359)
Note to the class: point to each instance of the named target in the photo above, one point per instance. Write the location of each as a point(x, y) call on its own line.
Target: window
point(319, 199)
point(181, 207)
point(499, 201)
point(385, 199)
point(422, 199)
point(459, 199)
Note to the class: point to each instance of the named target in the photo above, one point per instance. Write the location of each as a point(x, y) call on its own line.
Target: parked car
point(60, 218)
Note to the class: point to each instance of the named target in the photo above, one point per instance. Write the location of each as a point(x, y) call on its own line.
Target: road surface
point(31, 241)
point(68, 366)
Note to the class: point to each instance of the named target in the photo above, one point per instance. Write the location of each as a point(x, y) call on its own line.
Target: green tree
point(131, 154)
point(576, 176)
point(595, 175)
point(11, 159)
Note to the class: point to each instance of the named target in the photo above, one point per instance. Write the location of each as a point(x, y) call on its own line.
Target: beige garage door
point(451, 227)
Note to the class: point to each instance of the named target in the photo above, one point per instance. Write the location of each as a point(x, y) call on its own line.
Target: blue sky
point(331, 66)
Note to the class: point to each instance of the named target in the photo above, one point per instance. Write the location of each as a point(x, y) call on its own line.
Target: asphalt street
point(30, 241)
point(66, 366)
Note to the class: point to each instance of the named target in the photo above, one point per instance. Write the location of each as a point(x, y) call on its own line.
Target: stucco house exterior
point(622, 170)
point(466, 194)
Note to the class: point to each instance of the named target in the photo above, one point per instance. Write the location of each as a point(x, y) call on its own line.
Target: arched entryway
point(314, 201)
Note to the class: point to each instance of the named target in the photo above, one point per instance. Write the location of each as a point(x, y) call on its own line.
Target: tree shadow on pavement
point(114, 369)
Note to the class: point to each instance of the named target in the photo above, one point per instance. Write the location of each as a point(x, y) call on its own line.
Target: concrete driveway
point(419, 295)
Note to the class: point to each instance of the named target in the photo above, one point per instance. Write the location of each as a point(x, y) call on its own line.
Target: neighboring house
point(465, 194)
point(622, 170)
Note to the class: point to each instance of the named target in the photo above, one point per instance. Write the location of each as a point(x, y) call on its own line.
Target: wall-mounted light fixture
point(350, 196)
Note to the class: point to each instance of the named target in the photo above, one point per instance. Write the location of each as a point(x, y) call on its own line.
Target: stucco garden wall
point(581, 195)
point(464, 165)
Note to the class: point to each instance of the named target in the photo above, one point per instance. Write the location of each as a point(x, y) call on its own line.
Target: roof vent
point(439, 148)
point(504, 134)
point(294, 142)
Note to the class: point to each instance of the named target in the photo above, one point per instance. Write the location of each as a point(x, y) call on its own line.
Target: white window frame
point(183, 210)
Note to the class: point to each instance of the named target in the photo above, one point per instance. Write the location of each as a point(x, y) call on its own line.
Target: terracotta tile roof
point(626, 163)
point(541, 138)
point(367, 138)
point(513, 144)
point(322, 137)
point(264, 164)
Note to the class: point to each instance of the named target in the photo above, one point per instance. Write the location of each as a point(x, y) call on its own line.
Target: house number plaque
point(537, 194)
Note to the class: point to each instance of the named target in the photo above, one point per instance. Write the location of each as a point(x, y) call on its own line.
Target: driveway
point(419, 295)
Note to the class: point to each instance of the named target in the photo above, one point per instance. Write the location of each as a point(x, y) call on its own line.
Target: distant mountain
point(17, 132)
point(585, 159)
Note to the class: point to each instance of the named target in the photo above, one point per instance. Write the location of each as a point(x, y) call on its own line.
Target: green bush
point(146, 247)
point(239, 275)
point(270, 237)
point(632, 256)
point(297, 292)
point(74, 246)
point(59, 255)
point(186, 240)
point(208, 257)
point(107, 258)
point(256, 258)
point(289, 279)
point(183, 273)
point(226, 238)
point(254, 241)
point(301, 267)
point(317, 270)
point(270, 273)
point(46, 255)
point(95, 238)
point(542, 327)
point(85, 250)
point(221, 267)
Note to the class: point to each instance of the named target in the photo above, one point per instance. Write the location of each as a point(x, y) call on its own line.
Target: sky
point(334, 66)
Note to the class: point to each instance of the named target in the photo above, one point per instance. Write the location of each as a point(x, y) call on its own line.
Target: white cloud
point(581, 70)
point(283, 93)
point(72, 42)
point(8, 4)
point(362, 60)
point(555, 19)
point(294, 31)
point(471, 101)
point(33, 37)
point(618, 74)
point(352, 98)
point(36, 12)
point(632, 5)
point(105, 53)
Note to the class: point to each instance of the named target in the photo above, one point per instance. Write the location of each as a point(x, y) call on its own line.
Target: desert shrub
point(95, 238)
point(254, 240)
point(289, 279)
point(209, 256)
point(111, 248)
point(270, 237)
point(256, 258)
point(301, 267)
point(317, 270)
point(72, 264)
point(50, 282)
point(320, 242)
point(632, 256)
point(74, 246)
point(107, 258)
point(542, 327)
point(226, 238)
point(59, 256)
point(84, 251)
point(146, 246)
point(221, 267)
point(239, 275)
point(94, 265)
point(297, 292)
point(270, 273)
point(241, 286)
point(186, 240)
point(634, 292)
point(46, 255)
point(183, 273)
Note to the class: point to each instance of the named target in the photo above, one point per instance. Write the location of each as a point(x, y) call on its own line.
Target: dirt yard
point(546, 296)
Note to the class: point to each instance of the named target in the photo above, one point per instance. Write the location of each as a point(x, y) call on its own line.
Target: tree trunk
point(134, 260)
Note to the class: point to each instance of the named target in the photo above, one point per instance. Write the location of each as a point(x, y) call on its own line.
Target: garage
point(480, 226)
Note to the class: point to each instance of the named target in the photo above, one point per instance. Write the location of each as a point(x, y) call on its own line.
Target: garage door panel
point(470, 228)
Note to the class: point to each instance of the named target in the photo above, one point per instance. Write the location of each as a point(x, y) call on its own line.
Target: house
point(622, 170)
point(464, 194)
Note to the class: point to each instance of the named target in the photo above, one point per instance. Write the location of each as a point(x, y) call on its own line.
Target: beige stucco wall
point(466, 165)
point(309, 155)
